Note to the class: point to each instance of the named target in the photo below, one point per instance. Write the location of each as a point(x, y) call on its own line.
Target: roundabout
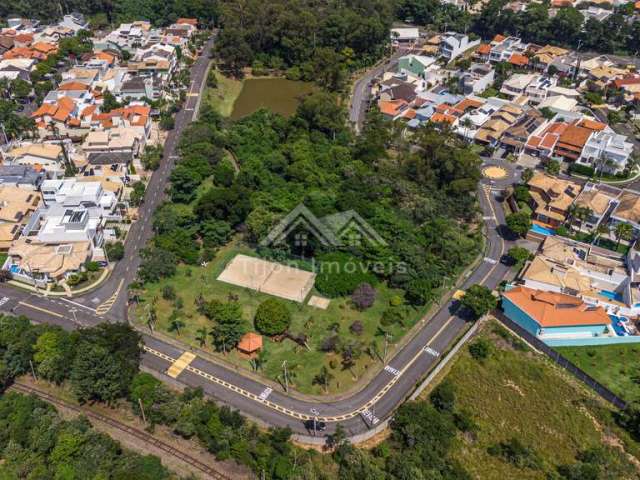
point(494, 172)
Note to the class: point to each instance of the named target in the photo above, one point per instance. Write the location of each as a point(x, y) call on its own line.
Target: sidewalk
point(68, 291)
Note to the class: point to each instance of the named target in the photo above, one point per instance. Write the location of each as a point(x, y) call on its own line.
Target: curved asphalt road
point(364, 409)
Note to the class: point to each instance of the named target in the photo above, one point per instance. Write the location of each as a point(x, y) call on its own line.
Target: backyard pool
point(611, 295)
point(539, 229)
point(617, 324)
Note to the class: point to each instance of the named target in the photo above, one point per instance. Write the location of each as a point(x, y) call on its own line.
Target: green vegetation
point(311, 43)
point(221, 97)
point(526, 419)
point(479, 300)
point(312, 158)
point(327, 332)
point(103, 12)
point(519, 222)
point(37, 443)
point(272, 317)
point(615, 366)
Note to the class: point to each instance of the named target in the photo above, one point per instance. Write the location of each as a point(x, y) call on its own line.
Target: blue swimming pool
point(14, 269)
point(535, 228)
point(611, 295)
point(617, 326)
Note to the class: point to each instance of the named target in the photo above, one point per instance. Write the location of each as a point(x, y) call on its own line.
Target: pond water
point(277, 94)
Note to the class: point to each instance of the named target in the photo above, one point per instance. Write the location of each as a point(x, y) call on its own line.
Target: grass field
point(515, 393)
point(615, 366)
point(303, 363)
point(224, 96)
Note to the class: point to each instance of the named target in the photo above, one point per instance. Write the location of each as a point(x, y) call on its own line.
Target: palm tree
point(323, 378)
point(466, 124)
point(201, 336)
point(622, 231)
point(175, 322)
point(258, 362)
point(600, 230)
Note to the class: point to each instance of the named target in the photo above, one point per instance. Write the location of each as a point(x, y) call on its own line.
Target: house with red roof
point(559, 319)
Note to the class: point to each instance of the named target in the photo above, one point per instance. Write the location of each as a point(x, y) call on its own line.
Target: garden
point(326, 351)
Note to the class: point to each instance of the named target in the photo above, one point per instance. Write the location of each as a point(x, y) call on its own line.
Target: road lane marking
point(40, 309)
point(180, 364)
point(490, 260)
point(369, 416)
point(431, 351)
point(4, 300)
point(391, 370)
point(265, 393)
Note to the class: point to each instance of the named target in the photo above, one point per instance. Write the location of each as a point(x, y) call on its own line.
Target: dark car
point(320, 426)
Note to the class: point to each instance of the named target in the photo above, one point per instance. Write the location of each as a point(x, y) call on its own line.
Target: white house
point(452, 45)
point(517, 84)
point(606, 150)
point(71, 193)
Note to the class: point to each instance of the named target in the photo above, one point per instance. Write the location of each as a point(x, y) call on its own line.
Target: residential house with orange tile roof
point(551, 198)
point(503, 47)
point(188, 21)
point(391, 109)
point(23, 52)
point(543, 143)
point(38, 155)
point(45, 48)
point(564, 320)
point(23, 39)
point(518, 60)
point(572, 141)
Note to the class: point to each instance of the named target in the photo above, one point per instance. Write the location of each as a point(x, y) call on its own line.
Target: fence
point(538, 344)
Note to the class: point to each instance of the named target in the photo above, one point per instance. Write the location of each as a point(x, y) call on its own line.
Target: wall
point(514, 313)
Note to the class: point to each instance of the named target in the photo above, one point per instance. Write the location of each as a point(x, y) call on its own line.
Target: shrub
point(396, 301)
point(443, 397)
point(480, 349)
point(363, 296)
point(329, 344)
point(340, 274)
point(357, 327)
point(168, 292)
point(92, 266)
point(583, 170)
point(392, 316)
point(272, 317)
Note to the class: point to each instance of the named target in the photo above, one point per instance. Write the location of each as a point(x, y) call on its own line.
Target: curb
point(106, 273)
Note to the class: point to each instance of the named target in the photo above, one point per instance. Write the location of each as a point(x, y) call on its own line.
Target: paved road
point(111, 297)
point(364, 409)
point(362, 90)
point(357, 413)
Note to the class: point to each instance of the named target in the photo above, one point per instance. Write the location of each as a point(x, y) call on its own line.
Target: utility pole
point(144, 418)
point(33, 371)
point(286, 377)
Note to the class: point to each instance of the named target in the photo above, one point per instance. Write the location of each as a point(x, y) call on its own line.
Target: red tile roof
point(484, 49)
point(73, 86)
point(550, 309)
point(518, 59)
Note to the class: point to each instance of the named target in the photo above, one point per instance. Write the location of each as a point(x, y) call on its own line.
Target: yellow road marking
point(192, 94)
point(180, 364)
point(41, 309)
point(337, 418)
point(105, 306)
point(292, 413)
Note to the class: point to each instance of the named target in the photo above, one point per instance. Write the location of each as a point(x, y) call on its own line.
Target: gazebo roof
point(250, 342)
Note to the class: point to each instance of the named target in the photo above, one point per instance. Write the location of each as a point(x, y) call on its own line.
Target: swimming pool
point(617, 325)
point(535, 228)
point(14, 269)
point(611, 295)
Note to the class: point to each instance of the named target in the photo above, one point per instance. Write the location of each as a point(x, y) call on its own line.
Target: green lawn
point(615, 366)
point(224, 96)
point(303, 364)
point(515, 393)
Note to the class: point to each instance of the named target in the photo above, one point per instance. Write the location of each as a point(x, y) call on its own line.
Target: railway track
point(137, 433)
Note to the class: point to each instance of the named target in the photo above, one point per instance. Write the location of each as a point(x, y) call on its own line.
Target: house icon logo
point(343, 229)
